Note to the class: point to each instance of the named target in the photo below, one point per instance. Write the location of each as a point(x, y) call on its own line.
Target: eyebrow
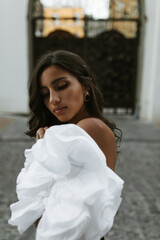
point(54, 82)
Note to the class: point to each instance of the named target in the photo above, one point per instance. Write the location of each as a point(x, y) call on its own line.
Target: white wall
point(13, 56)
point(150, 85)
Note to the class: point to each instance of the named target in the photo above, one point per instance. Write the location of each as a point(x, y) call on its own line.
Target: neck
point(80, 116)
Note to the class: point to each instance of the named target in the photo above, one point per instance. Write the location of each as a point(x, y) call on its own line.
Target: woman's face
point(63, 95)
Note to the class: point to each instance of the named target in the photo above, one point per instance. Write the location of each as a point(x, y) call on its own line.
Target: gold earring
point(87, 97)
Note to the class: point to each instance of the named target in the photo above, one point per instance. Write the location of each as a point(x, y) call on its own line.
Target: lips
point(59, 110)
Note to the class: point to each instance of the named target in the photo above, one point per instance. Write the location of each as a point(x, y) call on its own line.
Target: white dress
point(66, 182)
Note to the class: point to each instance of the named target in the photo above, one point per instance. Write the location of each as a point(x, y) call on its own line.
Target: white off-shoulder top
point(65, 182)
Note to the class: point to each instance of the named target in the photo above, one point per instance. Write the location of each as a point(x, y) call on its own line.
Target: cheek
point(48, 105)
point(75, 95)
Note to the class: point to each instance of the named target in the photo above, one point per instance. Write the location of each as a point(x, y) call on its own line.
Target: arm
point(103, 136)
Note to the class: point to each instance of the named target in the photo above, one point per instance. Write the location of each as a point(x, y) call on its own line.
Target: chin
point(63, 120)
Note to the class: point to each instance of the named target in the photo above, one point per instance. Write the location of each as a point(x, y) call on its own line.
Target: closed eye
point(45, 94)
point(61, 86)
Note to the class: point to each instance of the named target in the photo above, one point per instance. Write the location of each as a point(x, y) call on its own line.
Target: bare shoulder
point(103, 136)
point(95, 128)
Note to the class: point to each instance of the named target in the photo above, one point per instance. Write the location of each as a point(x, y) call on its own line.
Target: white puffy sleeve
point(33, 187)
point(66, 182)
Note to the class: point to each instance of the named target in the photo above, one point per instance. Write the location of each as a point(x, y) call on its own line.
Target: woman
point(76, 93)
point(63, 92)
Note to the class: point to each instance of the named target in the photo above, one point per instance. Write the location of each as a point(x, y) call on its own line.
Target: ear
point(86, 88)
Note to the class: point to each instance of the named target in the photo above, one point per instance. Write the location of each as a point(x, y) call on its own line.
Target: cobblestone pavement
point(138, 164)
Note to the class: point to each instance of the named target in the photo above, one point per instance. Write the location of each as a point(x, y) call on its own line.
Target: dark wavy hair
point(40, 116)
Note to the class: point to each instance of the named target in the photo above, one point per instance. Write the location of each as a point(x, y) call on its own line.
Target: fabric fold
point(66, 182)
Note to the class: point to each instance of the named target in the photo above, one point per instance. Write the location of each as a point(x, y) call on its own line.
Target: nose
point(54, 97)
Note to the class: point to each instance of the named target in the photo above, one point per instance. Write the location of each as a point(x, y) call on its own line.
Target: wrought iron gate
point(110, 53)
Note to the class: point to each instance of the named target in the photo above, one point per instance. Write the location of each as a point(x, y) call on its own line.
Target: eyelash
point(45, 95)
point(57, 88)
point(65, 85)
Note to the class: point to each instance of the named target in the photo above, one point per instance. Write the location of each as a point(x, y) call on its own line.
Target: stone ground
point(138, 164)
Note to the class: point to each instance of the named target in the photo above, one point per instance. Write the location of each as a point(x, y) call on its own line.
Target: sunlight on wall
point(94, 8)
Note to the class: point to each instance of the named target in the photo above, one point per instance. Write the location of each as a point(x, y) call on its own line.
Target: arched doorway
point(105, 33)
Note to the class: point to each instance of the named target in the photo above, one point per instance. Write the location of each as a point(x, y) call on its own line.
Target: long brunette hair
point(40, 116)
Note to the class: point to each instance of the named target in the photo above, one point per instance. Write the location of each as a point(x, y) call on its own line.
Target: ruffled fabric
point(66, 182)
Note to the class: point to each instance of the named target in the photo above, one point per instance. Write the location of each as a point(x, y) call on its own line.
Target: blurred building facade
point(14, 44)
point(122, 9)
point(60, 15)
